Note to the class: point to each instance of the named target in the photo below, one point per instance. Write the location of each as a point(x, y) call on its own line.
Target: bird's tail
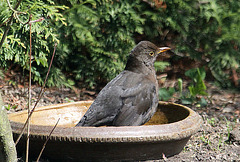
point(81, 123)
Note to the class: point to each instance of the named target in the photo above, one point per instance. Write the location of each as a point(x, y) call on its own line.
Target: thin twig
point(9, 5)
point(15, 13)
point(47, 141)
point(39, 96)
point(29, 87)
point(38, 20)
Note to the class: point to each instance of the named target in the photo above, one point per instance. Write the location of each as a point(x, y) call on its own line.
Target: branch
point(47, 141)
point(29, 85)
point(15, 12)
point(39, 97)
point(38, 20)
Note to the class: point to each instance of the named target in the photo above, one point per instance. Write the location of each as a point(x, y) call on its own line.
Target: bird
point(131, 98)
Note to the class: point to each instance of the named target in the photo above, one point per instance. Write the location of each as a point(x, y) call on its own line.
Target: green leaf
point(187, 101)
point(165, 94)
point(180, 86)
point(160, 65)
point(203, 102)
point(197, 87)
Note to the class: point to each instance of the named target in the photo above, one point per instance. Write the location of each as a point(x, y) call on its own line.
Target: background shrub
point(95, 37)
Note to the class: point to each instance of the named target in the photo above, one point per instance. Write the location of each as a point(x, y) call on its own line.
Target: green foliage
point(166, 93)
point(95, 37)
point(98, 38)
point(68, 100)
point(15, 48)
point(210, 28)
point(55, 78)
point(160, 65)
point(197, 86)
point(212, 122)
point(8, 107)
point(180, 86)
point(229, 129)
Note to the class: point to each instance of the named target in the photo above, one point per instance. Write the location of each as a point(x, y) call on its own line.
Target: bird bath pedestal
point(166, 133)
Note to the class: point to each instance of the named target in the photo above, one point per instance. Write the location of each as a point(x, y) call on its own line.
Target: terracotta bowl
point(166, 133)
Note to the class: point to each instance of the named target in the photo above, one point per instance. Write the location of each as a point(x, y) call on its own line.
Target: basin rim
point(130, 134)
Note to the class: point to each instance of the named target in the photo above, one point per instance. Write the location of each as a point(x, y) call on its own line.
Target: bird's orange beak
point(163, 49)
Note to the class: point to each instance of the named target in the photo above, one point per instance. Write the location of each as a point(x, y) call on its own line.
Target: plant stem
point(39, 97)
point(29, 88)
point(47, 141)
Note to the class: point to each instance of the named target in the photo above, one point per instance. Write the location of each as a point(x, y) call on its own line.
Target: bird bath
point(166, 133)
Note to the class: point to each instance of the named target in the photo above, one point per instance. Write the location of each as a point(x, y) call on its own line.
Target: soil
point(217, 140)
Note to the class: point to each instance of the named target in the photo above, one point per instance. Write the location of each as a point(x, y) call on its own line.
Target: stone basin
point(166, 133)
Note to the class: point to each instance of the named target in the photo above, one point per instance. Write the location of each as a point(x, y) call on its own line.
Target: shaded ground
point(218, 139)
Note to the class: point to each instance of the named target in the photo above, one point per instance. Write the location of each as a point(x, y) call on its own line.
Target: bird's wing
point(103, 110)
point(139, 104)
point(107, 104)
point(123, 101)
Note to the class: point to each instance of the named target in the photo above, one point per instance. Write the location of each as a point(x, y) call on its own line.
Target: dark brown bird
point(131, 98)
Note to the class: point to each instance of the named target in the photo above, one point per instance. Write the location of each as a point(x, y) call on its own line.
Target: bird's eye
point(151, 53)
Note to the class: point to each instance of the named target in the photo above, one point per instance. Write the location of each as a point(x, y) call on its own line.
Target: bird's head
point(147, 52)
